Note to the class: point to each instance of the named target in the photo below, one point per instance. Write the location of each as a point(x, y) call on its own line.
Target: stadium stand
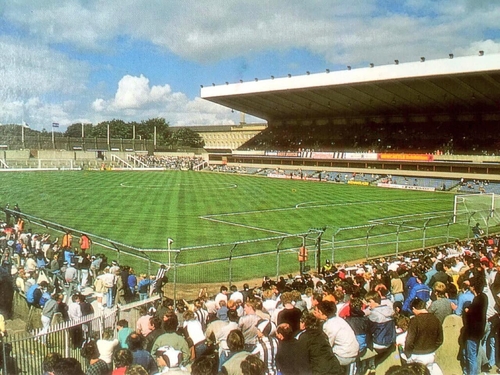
point(335, 292)
point(429, 137)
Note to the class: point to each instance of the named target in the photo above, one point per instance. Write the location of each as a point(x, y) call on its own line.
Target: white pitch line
point(415, 216)
point(243, 225)
point(299, 207)
point(176, 186)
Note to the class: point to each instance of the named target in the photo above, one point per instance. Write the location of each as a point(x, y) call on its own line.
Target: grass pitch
point(143, 209)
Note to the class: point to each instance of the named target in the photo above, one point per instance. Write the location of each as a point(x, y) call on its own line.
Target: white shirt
point(236, 296)
point(195, 330)
point(269, 305)
point(341, 337)
point(74, 311)
point(224, 333)
point(220, 297)
point(106, 348)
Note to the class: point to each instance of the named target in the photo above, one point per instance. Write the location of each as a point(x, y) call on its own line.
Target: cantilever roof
point(461, 84)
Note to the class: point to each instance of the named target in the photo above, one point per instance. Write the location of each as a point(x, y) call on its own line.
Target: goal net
point(477, 208)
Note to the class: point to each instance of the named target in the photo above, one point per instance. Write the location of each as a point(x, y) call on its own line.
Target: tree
point(75, 130)
point(146, 130)
point(187, 138)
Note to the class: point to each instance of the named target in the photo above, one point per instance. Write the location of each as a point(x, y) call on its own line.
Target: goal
point(477, 208)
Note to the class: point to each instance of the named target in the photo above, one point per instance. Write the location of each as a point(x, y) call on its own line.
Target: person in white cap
point(169, 361)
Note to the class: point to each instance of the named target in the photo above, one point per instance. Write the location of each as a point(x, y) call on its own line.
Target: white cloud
point(134, 93)
point(33, 78)
point(136, 98)
point(473, 48)
point(27, 67)
point(211, 31)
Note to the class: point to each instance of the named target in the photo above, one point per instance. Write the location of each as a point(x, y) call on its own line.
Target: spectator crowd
point(170, 162)
point(338, 320)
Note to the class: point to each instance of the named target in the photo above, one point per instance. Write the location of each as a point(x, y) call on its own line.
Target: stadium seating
point(426, 137)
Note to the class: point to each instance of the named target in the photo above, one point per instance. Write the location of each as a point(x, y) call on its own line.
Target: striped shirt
point(266, 350)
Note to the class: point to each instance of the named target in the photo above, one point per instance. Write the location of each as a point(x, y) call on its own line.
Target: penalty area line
point(243, 225)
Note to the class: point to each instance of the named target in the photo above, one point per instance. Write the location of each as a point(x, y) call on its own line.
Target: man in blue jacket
point(419, 290)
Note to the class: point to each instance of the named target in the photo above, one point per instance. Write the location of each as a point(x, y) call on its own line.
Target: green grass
point(142, 209)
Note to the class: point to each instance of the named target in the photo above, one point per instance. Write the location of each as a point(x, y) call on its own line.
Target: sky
point(89, 61)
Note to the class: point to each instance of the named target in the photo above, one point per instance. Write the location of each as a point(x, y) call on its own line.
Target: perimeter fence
point(249, 259)
point(395, 236)
point(59, 142)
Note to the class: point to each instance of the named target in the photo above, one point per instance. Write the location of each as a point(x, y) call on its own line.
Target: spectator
point(35, 292)
point(267, 345)
point(67, 366)
point(96, 365)
point(222, 311)
point(170, 360)
point(253, 365)
point(143, 286)
point(236, 344)
point(248, 325)
point(172, 339)
point(340, 335)
point(441, 307)
point(221, 338)
point(122, 359)
point(314, 341)
point(440, 275)
point(121, 287)
point(204, 365)
point(382, 325)
point(107, 346)
point(136, 370)
point(221, 296)
point(424, 337)
point(155, 325)
point(419, 290)
point(194, 334)
point(87, 309)
point(292, 358)
point(141, 356)
point(75, 314)
point(201, 313)
point(84, 269)
point(132, 282)
point(474, 324)
point(143, 326)
point(123, 333)
point(290, 314)
point(477, 231)
point(49, 362)
point(109, 280)
point(48, 311)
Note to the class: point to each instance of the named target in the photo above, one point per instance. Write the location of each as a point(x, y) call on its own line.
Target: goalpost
point(477, 208)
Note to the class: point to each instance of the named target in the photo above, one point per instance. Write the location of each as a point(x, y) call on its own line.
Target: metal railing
point(24, 352)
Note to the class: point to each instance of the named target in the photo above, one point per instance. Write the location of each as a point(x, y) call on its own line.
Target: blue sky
point(90, 60)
